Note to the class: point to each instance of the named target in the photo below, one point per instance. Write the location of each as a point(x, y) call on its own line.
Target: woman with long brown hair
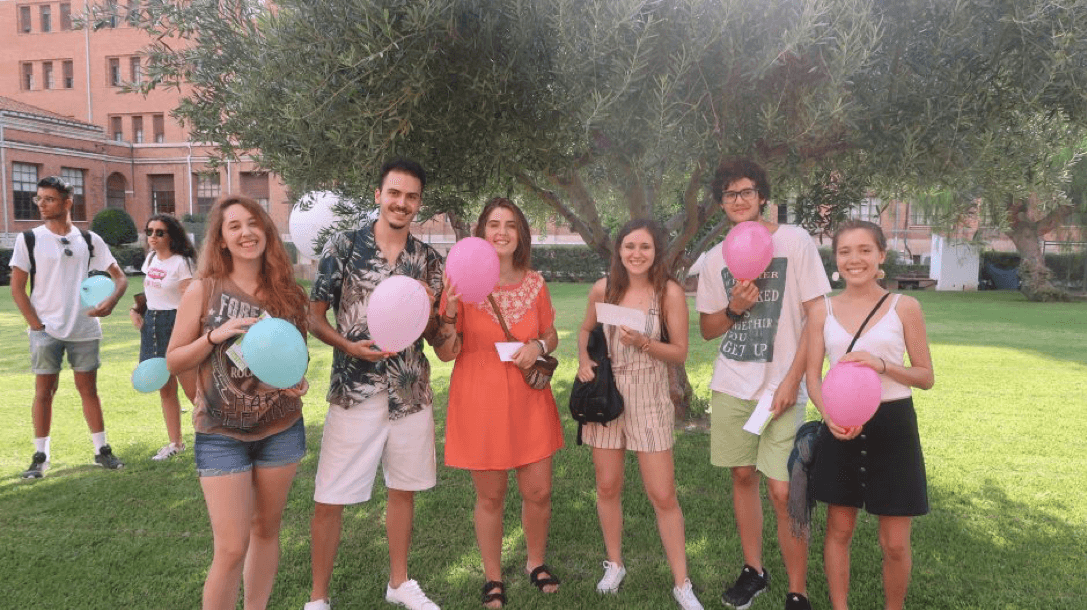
point(249, 436)
point(639, 280)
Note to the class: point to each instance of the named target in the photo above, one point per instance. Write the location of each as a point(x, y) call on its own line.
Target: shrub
point(5, 271)
point(115, 227)
point(128, 256)
point(568, 263)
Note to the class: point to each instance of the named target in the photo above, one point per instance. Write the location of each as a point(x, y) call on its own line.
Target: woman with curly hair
point(249, 436)
point(167, 270)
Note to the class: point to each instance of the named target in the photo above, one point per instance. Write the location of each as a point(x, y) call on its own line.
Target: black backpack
point(31, 239)
point(596, 401)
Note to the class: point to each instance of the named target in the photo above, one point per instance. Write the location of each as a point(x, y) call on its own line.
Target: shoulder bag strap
point(501, 320)
point(865, 323)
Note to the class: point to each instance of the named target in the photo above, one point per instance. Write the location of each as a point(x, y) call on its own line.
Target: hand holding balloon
point(744, 295)
point(861, 357)
point(851, 394)
point(366, 350)
point(397, 313)
point(473, 268)
point(452, 296)
point(748, 250)
point(276, 353)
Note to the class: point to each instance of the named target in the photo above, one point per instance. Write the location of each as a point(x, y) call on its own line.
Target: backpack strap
point(90, 246)
point(29, 238)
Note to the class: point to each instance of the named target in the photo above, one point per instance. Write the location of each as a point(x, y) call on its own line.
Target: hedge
point(568, 263)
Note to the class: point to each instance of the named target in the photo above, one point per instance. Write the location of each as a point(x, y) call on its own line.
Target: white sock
point(41, 444)
point(99, 440)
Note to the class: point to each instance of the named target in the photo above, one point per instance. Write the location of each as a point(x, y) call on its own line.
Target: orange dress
point(495, 421)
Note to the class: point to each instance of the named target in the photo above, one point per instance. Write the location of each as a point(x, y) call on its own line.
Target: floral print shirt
point(351, 266)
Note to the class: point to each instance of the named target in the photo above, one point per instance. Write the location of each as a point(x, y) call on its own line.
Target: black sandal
point(494, 590)
point(545, 581)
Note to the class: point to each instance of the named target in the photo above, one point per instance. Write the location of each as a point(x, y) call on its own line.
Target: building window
point(28, 76)
point(115, 191)
point(47, 75)
point(207, 190)
point(255, 186)
point(135, 71)
point(114, 72)
point(867, 209)
point(162, 193)
point(920, 215)
point(69, 74)
point(110, 19)
point(46, 18)
point(24, 19)
point(116, 129)
point(74, 177)
point(24, 178)
point(137, 129)
point(133, 13)
point(65, 16)
point(159, 127)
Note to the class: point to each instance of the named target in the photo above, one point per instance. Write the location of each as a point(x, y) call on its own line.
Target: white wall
point(954, 264)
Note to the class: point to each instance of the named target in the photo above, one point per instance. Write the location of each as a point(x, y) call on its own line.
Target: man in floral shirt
point(380, 403)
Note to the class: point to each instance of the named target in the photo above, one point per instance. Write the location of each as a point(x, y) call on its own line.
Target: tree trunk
point(1026, 234)
point(679, 390)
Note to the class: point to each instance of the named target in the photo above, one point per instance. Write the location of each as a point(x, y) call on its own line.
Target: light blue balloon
point(150, 375)
point(94, 290)
point(276, 352)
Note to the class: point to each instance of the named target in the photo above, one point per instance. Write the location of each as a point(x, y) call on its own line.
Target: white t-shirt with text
point(162, 280)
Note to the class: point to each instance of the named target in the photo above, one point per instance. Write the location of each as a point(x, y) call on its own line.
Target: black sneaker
point(796, 601)
point(747, 587)
point(106, 459)
point(38, 466)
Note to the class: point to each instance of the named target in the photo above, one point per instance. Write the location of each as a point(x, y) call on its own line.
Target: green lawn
point(1004, 433)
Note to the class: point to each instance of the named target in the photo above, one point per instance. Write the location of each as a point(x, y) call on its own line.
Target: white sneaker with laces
point(168, 452)
point(685, 596)
point(613, 576)
point(320, 604)
point(409, 595)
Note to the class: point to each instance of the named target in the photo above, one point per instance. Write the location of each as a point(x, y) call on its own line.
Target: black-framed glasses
point(67, 250)
point(748, 195)
point(155, 232)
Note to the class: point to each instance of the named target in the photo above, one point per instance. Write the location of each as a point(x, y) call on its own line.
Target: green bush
point(115, 227)
point(128, 256)
point(5, 271)
point(568, 263)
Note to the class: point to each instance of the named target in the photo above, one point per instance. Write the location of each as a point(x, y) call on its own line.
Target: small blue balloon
point(276, 352)
point(150, 375)
point(94, 290)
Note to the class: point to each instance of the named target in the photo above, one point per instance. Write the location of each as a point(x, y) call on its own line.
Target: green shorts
point(732, 446)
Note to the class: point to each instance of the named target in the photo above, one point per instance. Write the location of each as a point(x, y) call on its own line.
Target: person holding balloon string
point(875, 464)
point(639, 279)
point(496, 422)
point(755, 292)
point(168, 270)
point(250, 435)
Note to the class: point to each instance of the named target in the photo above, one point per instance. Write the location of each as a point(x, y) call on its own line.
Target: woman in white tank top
point(879, 465)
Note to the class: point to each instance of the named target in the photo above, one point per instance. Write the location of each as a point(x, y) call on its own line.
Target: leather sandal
point(543, 581)
point(494, 590)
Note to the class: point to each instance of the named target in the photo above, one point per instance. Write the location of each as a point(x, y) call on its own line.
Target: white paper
point(506, 349)
point(606, 313)
point(761, 415)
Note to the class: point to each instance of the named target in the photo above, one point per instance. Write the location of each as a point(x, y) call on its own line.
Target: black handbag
point(596, 401)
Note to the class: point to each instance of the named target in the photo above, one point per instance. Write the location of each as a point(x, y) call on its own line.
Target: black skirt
point(881, 470)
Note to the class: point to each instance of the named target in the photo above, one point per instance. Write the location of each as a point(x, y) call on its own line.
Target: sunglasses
point(67, 250)
point(155, 232)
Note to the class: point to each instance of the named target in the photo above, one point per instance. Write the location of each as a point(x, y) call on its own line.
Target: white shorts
point(355, 440)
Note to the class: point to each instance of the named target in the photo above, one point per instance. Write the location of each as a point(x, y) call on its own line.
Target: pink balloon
point(748, 250)
point(397, 313)
point(472, 266)
point(851, 393)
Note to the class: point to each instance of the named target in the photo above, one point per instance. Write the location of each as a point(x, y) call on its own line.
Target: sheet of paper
point(506, 349)
point(761, 415)
point(606, 313)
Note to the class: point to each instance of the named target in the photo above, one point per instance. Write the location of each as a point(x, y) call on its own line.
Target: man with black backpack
point(56, 258)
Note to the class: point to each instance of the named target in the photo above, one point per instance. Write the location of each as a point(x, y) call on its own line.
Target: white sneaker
point(613, 576)
point(168, 452)
point(320, 604)
point(685, 596)
point(409, 595)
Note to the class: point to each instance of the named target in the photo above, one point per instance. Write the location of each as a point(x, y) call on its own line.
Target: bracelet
point(208, 337)
point(448, 319)
point(543, 346)
point(884, 366)
point(645, 346)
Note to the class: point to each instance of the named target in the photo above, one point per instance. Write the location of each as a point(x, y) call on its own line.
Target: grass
point(1004, 435)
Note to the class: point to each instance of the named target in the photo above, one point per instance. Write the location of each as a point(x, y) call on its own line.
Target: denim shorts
point(218, 454)
point(46, 354)
point(158, 324)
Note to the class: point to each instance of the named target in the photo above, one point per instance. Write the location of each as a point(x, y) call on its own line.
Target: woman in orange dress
point(495, 421)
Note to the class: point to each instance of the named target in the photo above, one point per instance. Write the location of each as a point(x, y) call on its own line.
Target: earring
point(881, 274)
point(835, 276)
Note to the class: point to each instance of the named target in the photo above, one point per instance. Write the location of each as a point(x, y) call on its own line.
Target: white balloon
point(306, 225)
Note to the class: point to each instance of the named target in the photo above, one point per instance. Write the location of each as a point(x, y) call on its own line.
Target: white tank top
point(883, 339)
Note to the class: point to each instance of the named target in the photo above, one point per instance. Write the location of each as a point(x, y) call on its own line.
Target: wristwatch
point(732, 315)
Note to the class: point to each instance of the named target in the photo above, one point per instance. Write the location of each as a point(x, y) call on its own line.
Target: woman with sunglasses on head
point(878, 465)
point(167, 270)
point(250, 436)
point(639, 279)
